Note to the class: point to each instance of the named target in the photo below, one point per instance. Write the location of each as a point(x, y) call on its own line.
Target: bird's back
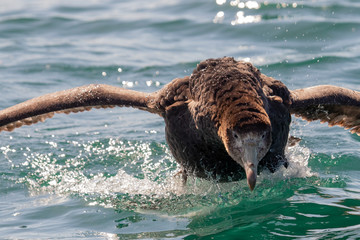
point(220, 92)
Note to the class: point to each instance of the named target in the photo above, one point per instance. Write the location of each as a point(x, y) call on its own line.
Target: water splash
point(140, 176)
point(298, 157)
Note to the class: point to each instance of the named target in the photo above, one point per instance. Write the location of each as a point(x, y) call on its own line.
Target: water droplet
point(149, 83)
point(219, 17)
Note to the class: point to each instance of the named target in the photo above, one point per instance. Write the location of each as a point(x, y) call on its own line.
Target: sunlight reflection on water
point(242, 17)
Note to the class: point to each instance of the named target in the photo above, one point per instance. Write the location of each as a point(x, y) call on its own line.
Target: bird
point(225, 122)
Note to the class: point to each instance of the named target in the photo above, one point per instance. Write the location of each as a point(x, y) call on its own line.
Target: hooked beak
point(250, 165)
point(251, 172)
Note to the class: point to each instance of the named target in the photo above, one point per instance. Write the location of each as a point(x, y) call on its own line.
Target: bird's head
point(247, 148)
point(247, 143)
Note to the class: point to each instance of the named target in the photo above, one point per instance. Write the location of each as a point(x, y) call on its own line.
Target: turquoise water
point(108, 174)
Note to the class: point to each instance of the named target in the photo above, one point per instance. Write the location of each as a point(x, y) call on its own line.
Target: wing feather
point(72, 101)
point(334, 105)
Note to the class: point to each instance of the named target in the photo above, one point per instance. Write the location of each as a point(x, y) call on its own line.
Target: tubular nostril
point(251, 142)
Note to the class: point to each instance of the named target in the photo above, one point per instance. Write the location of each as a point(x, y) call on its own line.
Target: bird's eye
point(235, 135)
point(263, 136)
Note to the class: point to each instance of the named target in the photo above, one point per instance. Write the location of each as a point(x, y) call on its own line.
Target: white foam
point(71, 178)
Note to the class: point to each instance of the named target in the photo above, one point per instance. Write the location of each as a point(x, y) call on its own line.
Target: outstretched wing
point(74, 100)
point(335, 105)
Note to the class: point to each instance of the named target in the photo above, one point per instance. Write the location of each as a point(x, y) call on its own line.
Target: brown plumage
point(227, 121)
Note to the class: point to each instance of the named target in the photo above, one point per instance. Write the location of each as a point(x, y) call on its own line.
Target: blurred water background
point(108, 174)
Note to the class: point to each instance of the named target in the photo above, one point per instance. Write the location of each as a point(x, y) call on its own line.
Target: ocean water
point(108, 174)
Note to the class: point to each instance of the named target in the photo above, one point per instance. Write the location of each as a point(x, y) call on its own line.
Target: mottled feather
point(334, 105)
point(73, 100)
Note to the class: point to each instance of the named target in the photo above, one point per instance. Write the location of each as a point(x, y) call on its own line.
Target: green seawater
point(108, 174)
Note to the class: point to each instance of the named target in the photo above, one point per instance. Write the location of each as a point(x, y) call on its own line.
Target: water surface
point(108, 174)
